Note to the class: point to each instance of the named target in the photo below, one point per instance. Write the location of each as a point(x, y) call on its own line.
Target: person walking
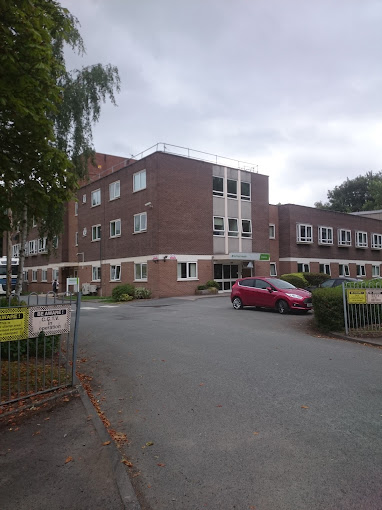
point(55, 286)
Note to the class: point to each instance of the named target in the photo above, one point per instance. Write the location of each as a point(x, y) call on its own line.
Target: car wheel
point(282, 306)
point(237, 303)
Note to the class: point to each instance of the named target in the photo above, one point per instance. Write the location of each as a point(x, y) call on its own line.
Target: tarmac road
point(230, 409)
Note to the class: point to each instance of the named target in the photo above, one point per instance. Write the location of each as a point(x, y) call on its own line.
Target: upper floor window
point(325, 235)
point(96, 232)
point(32, 247)
point(303, 267)
point(16, 250)
point(245, 190)
point(55, 242)
point(42, 245)
point(246, 228)
point(361, 239)
point(231, 188)
point(218, 226)
point(325, 268)
point(34, 222)
point(84, 199)
point(141, 271)
point(76, 208)
point(304, 233)
point(233, 229)
point(115, 228)
point(76, 238)
point(217, 186)
point(272, 231)
point(376, 241)
point(114, 190)
point(96, 197)
point(140, 222)
point(344, 237)
point(343, 270)
point(139, 180)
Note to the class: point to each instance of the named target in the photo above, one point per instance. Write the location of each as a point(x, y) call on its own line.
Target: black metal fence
point(38, 344)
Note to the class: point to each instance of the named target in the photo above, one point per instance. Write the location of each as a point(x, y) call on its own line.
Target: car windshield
point(280, 284)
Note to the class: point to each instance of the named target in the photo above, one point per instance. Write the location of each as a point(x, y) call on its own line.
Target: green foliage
point(202, 287)
point(296, 279)
point(328, 309)
point(126, 297)
point(315, 279)
point(32, 347)
point(212, 283)
point(142, 293)
point(120, 290)
point(5, 301)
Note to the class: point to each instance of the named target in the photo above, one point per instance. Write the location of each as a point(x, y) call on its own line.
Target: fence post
point(75, 339)
point(345, 309)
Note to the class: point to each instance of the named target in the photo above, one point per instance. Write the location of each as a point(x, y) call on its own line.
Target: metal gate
point(362, 307)
point(38, 344)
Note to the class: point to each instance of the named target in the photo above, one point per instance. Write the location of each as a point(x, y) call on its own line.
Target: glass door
point(226, 275)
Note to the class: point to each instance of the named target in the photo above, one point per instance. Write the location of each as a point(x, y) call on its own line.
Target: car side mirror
point(269, 289)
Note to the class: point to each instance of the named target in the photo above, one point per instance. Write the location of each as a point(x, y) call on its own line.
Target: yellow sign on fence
point(13, 324)
point(356, 296)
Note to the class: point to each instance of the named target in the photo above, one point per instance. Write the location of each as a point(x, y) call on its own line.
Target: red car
point(270, 293)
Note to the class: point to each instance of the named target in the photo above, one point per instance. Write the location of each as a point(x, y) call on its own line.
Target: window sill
point(114, 281)
point(138, 190)
point(187, 279)
point(95, 240)
point(141, 281)
point(96, 205)
point(344, 245)
point(140, 232)
point(114, 237)
point(115, 198)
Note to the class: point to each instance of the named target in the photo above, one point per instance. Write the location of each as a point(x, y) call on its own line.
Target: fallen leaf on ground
point(219, 405)
point(304, 407)
point(68, 459)
point(37, 432)
point(150, 443)
point(255, 433)
point(201, 384)
point(160, 464)
point(127, 463)
point(106, 443)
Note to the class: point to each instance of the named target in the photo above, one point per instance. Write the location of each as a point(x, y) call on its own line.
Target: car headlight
point(296, 296)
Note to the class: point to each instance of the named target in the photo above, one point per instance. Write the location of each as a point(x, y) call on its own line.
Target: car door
point(262, 296)
point(247, 291)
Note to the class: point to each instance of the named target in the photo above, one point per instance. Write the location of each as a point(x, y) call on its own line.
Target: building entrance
point(226, 275)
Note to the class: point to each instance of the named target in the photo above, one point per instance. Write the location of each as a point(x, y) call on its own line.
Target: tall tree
point(359, 194)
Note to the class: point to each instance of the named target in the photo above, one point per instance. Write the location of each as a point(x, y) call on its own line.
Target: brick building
point(170, 223)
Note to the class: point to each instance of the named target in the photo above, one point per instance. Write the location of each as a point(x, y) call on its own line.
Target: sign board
point(72, 281)
point(356, 296)
point(13, 324)
point(250, 256)
point(374, 296)
point(52, 320)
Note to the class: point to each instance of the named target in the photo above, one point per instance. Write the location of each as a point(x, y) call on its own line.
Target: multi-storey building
point(170, 223)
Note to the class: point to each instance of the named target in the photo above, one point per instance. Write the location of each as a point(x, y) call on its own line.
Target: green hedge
point(296, 279)
point(328, 309)
point(35, 347)
point(120, 291)
point(315, 279)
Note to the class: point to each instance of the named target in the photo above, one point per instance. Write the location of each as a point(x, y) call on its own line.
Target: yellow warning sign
point(356, 296)
point(13, 324)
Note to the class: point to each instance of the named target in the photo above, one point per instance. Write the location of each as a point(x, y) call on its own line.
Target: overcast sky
point(293, 86)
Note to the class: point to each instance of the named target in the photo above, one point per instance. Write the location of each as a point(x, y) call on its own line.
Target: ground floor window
point(273, 269)
point(34, 275)
point(44, 275)
point(96, 273)
point(344, 270)
point(361, 271)
point(302, 268)
point(187, 271)
point(115, 273)
point(226, 275)
point(325, 268)
point(141, 271)
point(375, 270)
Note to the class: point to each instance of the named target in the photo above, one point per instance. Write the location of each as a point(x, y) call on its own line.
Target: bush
point(126, 297)
point(36, 347)
point(202, 287)
point(315, 279)
point(142, 293)
point(329, 309)
point(4, 302)
point(296, 279)
point(120, 290)
point(212, 283)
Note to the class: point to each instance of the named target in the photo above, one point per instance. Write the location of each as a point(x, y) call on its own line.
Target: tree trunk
point(23, 240)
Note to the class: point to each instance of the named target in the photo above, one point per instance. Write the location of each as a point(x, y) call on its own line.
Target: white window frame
point(114, 190)
point(55, 273)
point(142, 226)
point(139, 181)
point(272, 231)
point(217, 228)
point(376, 270)
point(344, 237)
point(75, 238)
point(34, 275)
point(305, 267)
point(44, 275)
point(376, 241)
point(244, 233)
point(25, 275)
point(360, 239)
point(16, 250)
point(231, 194)
point(84, 198)
point(242, 195)
point(76, 208)
point(140, 272)
point(32, 247)
point(96, 233)
point(304, 233)
point(361, 270)
point(96, 197)
point(188, 266)
point(117, 231)
point(115, 273)
point(326, 268)
point(216, 192)
point(343, 270)
point(96, 272)
point(325, 235)
point(272, 269)
point(42, 245)
point(233, 232)
point(55, 242)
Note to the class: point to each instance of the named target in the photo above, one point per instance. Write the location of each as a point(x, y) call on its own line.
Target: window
point(76, 238)
point(325, 268)
point(26, 248)
point(44, 275)
point(325, 235)
point(233, 229)
point(361, 239)
point(55, 274)
point(231, 188)
point(272, 231)
point(84, 199)
point(376, 241)
point(344, 237)
point(84, 232)
point(140, 222)
point(115, 273)
point(273, 269)
point(114, 190)
point(141, 271)
point(16, 250)
point(55, 242)
point(343, 270)
point(361, 271)
point(375, 270)
point(187, 271)
point(246, 228)
point(34, 275)
point(96, 273)
point(96, 197)
point(246, 191)
point(76, 208)
point(25, 275)
point(42, 245)
point(32, 247)
point(304, 233)
point(302, 267)
point(96, 232)
point(115, 228)
point(139, 180)
point(217, 186)
point(218, 226)
point(34, 222)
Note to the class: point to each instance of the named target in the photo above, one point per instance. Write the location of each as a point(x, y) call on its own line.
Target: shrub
point(296, 279)
point(36, 347)
point(14, 301)
point(212, 283)
point(329, 309)
point(142, 293)
point(202, 287)
point(126, 297)
point(315, 279)
point(120, 290)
